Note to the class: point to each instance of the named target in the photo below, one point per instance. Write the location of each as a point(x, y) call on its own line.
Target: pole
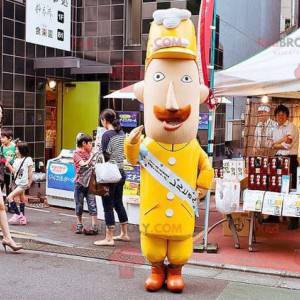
point(211, 134)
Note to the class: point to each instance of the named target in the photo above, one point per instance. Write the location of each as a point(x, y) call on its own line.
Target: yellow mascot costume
point(173, 165)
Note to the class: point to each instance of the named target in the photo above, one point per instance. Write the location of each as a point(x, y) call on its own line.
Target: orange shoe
point(175, 282)
point(156, 279)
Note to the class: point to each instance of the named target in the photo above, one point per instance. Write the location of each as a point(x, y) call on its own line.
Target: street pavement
point(35, 276)
point(58, 264)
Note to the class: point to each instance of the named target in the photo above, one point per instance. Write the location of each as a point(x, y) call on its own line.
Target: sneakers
point(92, 231)
point(23, 220)
point(79, 229)
point(15, 219)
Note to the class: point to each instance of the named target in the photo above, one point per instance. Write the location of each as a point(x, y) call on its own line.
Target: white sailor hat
point(265, 108)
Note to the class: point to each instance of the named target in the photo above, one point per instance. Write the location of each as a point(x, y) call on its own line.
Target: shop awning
point(275, 71)
point(77, 65)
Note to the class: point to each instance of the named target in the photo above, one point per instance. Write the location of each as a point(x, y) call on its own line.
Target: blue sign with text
point(128, 118)
point(61, 176)
point(203, 121)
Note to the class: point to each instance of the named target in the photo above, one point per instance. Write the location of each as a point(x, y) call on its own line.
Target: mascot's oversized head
point(171, 91)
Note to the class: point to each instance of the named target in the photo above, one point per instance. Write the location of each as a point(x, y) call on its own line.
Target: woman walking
point(7, 240)
point(113, 150)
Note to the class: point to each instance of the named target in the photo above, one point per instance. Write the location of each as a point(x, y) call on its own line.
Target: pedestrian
point(8, 149)
point(286, 143)
point(7, 240)
point(82, 160)
point(112, 145)
point(22, 173)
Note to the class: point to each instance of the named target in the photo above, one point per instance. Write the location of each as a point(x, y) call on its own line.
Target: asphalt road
point(37, 276)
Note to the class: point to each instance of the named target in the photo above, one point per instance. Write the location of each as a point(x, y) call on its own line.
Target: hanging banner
point(204, 36)
point(128, 118)
point(48, 23)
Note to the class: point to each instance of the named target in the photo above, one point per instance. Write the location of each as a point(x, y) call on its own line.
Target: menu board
point(273, 203)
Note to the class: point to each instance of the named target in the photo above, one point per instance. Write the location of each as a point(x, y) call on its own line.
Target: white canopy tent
point(275, 71)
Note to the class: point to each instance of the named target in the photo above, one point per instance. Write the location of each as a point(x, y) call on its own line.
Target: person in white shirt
point(264, 130)
point(286, 143)
point(22, 170)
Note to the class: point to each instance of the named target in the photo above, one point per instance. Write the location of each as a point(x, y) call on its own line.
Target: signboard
point(128, 118)
point(48, 23)
point(132, 183)
point(203, 121)
point(61, 176)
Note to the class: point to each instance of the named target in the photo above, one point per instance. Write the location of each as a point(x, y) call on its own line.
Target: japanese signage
point(61, 176)
point(128, 118)
point(132, 183)
point(203, 121)
point(48, 23)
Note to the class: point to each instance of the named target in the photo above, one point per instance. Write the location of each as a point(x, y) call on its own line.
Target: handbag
point(107, 172)
point(96, 188)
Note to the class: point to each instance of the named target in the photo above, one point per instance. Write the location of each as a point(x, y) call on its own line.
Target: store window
point(133, 22)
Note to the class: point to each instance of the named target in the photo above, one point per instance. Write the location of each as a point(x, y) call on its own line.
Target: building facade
point(113, 33)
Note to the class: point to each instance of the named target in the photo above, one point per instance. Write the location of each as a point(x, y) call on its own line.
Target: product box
point(216, 173)
point(251, 182)
point(291, 205)
point(279, 183)
point(264, 182)
point(241, 222)
point(264, 166)
point(226, 169)
point(233, 168)
point(258, 181)
point(298, 180)
point(272, 187)
point(285, 184)
point(272, 204)
point(240, 169)
point(253, 200)
point(273, 165)
point(251, 165)
point(286, 166)
point(279, 165)
point(258, 164)
point(227, 195)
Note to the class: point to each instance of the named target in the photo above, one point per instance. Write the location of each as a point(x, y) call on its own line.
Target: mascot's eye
point(158, 76)
point(186, 79)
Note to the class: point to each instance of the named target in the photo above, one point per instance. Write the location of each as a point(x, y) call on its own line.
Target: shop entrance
point(70, 108)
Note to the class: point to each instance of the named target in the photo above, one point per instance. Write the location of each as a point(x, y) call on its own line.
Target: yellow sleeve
point(132, 152)
point(206, 172)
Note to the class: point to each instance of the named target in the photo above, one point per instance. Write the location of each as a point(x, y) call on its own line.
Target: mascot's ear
point(204, 92)
point(138, 90)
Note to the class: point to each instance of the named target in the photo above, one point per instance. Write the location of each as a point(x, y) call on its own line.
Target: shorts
point(80, 193)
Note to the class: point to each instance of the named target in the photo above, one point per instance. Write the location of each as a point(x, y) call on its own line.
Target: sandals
point(105, 242)
point(122, 238)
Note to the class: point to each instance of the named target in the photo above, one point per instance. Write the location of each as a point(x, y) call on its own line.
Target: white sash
point(168, 178)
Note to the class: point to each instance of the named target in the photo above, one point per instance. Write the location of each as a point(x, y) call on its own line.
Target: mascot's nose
point(171, 103)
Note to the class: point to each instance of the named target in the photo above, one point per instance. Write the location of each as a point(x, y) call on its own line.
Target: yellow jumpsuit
point(166, 221)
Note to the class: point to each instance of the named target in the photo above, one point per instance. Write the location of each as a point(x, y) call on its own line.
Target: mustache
point(180, 115)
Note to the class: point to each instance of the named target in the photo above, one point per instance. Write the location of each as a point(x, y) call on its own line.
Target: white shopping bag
point(227, 195)
point(107, 173)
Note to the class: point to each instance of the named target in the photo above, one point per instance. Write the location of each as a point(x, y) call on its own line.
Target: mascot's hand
point(135, 135)
point(201, 193)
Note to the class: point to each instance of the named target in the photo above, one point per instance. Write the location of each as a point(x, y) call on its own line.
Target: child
point(82, 159)
point(22, 171)
point(9, 151)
